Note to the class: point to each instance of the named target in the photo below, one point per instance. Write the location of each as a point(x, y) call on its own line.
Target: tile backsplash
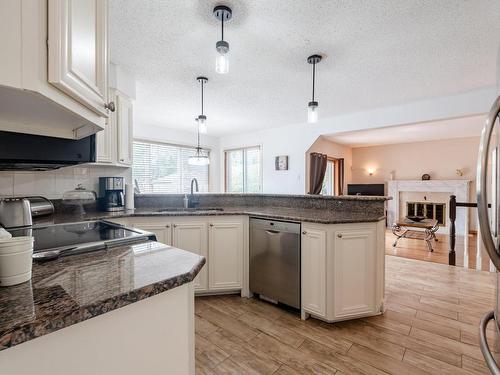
point(53, 184)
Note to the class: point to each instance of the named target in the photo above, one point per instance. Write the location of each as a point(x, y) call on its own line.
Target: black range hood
point(19, 151)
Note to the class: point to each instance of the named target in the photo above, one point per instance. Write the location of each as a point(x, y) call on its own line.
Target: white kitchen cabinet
point(342, 270)
point(115, 142)
point(221, 240)
point(106, 140)
point(124, 129)
point(191, 235)
point(355, 273)
point(313, 266)
point(225, 254)
point(55, 65)
point(161, 231)
point(121, 220)
point(77, 51)
point(159, 226)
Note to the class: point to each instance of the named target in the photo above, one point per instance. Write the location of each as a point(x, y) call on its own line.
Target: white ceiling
point(378, 53)
point(428, 131)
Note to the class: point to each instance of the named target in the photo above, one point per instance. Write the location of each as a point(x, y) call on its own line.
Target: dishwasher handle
point(272, 231)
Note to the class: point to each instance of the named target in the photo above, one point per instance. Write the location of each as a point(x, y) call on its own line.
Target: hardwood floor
point(417, 249)
point(430, 327)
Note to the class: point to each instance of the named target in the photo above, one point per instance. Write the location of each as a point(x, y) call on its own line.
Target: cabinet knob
point(175, 225)
point(211, 225)
point(339, 235)
point(304, 232)
point(111, 106)
point(167, 226)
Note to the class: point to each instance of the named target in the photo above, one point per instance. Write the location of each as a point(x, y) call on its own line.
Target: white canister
point(129, 197)
point(15, 260)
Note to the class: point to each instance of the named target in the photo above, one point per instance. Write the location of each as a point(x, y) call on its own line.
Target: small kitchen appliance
point(29, 152)
point(40, 206)
point(111, 194)
point(15, 212)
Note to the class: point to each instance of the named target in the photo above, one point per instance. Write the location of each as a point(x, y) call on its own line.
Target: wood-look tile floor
point(417, 249)
point(430, 327)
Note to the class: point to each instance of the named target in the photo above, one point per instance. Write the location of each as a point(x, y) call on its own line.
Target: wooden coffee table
point(402, 229)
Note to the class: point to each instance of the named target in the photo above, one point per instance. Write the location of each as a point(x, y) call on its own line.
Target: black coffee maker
point(111, 197)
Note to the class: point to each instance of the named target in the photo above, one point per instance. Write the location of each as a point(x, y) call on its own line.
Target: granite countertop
point(280, 213)
point(270, 195)
point(72, 289)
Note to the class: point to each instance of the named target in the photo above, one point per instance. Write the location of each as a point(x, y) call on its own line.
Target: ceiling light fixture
point(312, 107)
point(200, 157)
point(202, 119)
point(223, 14)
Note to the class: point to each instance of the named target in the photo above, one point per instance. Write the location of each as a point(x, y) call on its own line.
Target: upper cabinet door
point(124, 127)
point(107, 139)
point(77, 50)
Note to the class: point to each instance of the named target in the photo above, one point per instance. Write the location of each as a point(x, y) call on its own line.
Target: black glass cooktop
point(62, 235)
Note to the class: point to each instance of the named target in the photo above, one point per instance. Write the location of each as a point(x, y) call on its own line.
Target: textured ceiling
point(428, 131)
point(378, 53)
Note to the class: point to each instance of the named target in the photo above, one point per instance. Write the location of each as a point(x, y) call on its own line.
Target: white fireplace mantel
point(459, 188)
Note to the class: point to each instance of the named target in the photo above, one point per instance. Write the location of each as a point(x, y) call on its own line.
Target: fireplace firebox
point(430, 210)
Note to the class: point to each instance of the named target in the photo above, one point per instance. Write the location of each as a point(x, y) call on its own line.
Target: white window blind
point(163, 168)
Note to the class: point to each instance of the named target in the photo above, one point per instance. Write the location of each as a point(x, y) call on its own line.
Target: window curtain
point(340, 179)
point(317, 172)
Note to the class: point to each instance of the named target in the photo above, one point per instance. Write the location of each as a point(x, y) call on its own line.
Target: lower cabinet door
point(313, 257)
point(193, 237)
point(355, 280)
point(225, 254)
point(162, 231)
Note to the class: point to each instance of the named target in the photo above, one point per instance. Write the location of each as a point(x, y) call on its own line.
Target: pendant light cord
point(222, 26)
point(202, 97)
point(314, 78)
point(198, 148)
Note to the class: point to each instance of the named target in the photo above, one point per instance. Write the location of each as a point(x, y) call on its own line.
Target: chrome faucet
point(192, 202)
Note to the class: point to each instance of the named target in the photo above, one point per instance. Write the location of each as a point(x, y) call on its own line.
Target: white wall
point(121, 80)
point(295, 140)
point(163, 134)
point(409, 161)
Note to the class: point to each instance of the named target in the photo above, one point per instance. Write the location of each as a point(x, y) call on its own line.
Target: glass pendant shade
point(223, 14)
point(222, 63)
point(199, 158)
point(202, 124)
point(312, 112)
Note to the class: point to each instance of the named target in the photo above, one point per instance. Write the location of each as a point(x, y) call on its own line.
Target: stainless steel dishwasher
point(275, 260)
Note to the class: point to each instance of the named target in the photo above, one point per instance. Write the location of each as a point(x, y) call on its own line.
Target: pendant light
point(223, 14)
point(200, 157)
point(312, 107)
point(202, 119)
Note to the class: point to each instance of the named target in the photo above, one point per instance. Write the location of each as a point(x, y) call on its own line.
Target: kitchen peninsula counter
point(300, 208)
point(73, 289)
